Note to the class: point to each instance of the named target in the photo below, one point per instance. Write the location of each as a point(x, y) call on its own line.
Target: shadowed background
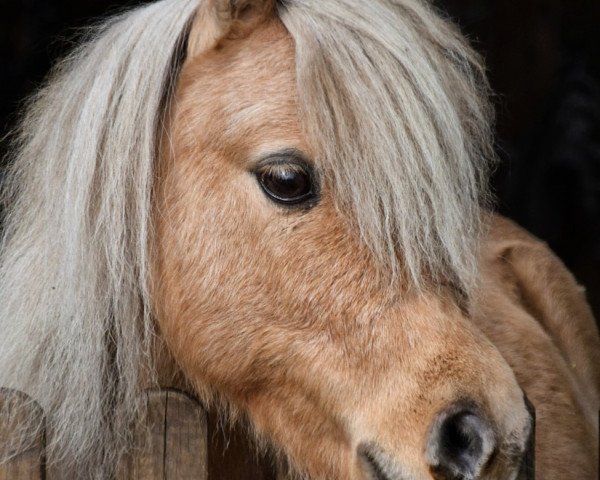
point(543, 58)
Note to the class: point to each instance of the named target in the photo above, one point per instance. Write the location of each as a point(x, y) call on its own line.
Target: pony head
point(286, 197)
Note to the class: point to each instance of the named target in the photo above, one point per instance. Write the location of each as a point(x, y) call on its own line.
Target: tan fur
point(217, 19)
point(286, 317)
point(536, 314)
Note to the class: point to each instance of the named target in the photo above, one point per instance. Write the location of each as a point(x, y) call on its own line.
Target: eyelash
point(301, 187)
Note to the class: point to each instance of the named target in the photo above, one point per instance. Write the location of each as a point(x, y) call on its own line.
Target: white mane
point(393, 101)
point(396, 103)
point(73, 267)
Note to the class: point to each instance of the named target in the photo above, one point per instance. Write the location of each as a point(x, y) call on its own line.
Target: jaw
point(320, 404)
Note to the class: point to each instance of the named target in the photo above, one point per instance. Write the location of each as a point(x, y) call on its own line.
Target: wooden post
point(186, 439)
point(170, 443)
point(28, 457)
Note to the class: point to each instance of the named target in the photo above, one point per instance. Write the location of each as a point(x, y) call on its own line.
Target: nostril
point(460, 439)
point(461, 442)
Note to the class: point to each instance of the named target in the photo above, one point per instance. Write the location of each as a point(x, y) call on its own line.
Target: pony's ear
point(219, 19)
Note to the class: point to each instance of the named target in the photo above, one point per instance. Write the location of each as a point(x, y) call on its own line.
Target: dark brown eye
point(287, 183)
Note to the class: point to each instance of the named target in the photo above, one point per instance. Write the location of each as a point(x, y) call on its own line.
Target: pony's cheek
point(215, 280)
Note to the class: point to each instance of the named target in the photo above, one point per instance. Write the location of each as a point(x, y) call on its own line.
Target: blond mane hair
point(396, 104)
point(393, 101)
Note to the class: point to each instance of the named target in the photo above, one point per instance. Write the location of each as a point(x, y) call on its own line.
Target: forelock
point(396, 105)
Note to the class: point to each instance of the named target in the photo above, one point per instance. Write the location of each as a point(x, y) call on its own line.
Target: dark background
point(543, 58)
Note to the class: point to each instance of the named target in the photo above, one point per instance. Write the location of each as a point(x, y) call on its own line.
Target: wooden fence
point(172, 444)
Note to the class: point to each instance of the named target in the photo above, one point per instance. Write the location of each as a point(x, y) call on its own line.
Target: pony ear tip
point(247, 9)
point(215, 19)
point(239, 9)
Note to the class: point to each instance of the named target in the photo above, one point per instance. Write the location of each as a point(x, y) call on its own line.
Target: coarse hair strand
point(397, 105)
point(74, 306)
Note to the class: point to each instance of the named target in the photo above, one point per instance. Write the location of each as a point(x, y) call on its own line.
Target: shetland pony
point(283, 205)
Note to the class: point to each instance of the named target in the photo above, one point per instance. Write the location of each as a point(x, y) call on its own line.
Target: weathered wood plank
point(146, 458)
point(28, 457)
point(170, 443)
point(186, 456)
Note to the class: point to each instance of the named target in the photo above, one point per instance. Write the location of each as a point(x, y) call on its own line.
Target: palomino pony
point(282, 205)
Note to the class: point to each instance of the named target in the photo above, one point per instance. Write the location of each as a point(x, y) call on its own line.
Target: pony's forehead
point(245, 93)
point(393, 104)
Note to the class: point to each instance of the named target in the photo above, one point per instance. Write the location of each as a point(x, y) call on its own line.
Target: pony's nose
point(461, 442)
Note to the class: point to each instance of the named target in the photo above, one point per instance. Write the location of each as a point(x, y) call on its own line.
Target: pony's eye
point(287, 183)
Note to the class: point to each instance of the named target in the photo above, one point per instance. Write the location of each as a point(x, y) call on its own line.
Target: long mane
point(392, 99)
point(73, 266)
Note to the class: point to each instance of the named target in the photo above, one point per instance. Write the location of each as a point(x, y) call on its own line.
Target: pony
point(282, 206)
